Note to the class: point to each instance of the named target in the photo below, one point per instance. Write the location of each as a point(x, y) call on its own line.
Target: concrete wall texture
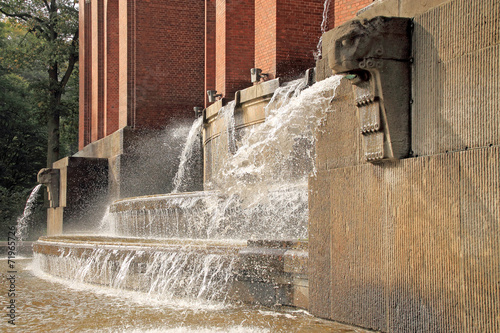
point(414, 245)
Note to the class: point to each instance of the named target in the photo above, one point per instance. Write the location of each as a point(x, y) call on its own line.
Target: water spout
point(23, 220)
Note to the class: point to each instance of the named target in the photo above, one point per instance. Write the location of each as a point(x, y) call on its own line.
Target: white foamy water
point(24, 220)
point(275, 158)
point(45, 303)
point(261, 185)
point(187, 153)
point(182, 272)
point(324, 26)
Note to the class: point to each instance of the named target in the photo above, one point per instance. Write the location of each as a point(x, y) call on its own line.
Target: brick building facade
point(145, 63)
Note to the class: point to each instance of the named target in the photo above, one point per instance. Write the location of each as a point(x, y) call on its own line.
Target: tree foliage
point(38, 95)
point(22, 144)
point(54, 24)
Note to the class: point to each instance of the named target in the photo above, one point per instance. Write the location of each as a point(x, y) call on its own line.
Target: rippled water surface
point(46, 304)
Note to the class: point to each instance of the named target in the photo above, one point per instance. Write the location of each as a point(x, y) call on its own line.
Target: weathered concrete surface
point(414, 245)
point(456, 90)
point(339, 146)
point(403, 8)
point(272, 273)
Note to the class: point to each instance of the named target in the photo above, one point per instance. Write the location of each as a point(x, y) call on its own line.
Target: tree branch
point(73, 59)
point(46, 5)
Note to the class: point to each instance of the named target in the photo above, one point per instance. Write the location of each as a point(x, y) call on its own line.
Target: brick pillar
point(111, 87)
point(85, 68)
point(265, 36)
point(126, 22)
point(209, 47)
point(235, 47)
point(286, 36)
point(97, 24)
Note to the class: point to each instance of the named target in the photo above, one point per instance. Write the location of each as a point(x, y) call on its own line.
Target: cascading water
point(261, 188)
point(324, 26)
point(165, 270)
point(227, 113)
point(260, 193)
point(187, 153)
point(23, 220)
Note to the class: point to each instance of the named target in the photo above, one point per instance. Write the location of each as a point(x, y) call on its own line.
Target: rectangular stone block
point(455, 86)
point(319, 249)
point(339, 136)
point(414, 245)
point(357, 246)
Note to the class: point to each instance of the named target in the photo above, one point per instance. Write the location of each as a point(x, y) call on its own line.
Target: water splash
point(324, 26)
point(227, 114)
point(187, 152)
point(184, 271)
point(261, 186)
point(23, 220)
point(278, 154)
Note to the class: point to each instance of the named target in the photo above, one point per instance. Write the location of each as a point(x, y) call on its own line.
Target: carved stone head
point(357, 42)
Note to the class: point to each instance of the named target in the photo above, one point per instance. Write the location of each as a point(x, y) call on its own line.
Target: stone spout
point(375, 56)
point(51, 179)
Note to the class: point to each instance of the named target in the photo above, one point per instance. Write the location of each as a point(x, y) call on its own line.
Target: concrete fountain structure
point(392, 181)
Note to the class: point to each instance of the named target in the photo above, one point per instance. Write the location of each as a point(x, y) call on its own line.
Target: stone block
point(455, 84)
point(319, 249)
point(414, 244)
point(375, 56)
point(338, 137)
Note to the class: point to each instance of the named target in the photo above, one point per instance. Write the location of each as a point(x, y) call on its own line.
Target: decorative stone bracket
point(375, 56)
point(51, 179)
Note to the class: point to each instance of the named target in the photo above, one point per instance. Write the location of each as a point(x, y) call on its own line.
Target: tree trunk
point(53, 137)
point(53, 116)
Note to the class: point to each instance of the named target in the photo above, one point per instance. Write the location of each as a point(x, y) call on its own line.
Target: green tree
point(22, 144)
point(54, 23)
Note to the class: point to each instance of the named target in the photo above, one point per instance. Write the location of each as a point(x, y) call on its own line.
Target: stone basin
point(255, 271)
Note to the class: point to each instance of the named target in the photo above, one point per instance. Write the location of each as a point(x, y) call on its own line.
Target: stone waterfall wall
point(414, 245)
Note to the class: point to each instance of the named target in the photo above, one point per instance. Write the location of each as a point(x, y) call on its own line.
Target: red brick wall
point(169, 61)
point(85, 61)
point(299, 29)
point(346, 9)
point(111, 121)
point(209, 47)
point(265, 36)
point(143, 63)
point(235, 48)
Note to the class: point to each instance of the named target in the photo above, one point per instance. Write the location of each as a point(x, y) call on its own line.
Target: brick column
point(97, 27)
point(85, 68)
point(235, 47)
point(209, 47)
point(265, 36)
point(111, 73)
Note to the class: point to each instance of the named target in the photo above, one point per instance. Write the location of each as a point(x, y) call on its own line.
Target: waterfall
point(324, 25)
point(187, 153)
point(185, 271)
point(23, 220)
point(261, 188)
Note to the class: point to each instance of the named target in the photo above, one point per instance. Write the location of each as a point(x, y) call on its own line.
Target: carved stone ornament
point(51, 179)
point(375, 56)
